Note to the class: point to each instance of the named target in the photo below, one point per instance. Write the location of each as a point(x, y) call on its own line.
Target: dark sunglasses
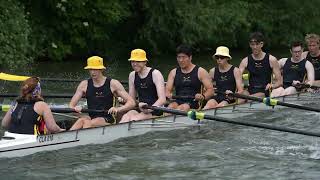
point(220, 57)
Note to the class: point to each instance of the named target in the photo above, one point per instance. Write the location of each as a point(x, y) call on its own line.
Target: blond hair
point(312, 38)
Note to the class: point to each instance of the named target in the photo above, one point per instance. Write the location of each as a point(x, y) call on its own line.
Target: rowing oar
point(59, 110)
point(11, 77)
point(45, 95)
point(272, 102)
point(201, 115)
point(70, 110)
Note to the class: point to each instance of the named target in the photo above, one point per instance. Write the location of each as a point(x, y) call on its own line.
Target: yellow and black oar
point(272, 102)
point(11, 77)
point(201, 115)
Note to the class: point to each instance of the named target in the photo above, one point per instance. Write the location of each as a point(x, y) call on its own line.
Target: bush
point(14, 33)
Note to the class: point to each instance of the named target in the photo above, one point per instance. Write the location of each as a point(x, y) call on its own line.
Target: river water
point(215, 151)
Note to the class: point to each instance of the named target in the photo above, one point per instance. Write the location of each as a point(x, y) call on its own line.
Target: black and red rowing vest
point(24, 120)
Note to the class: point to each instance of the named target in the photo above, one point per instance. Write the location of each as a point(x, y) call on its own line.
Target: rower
point(30, 114)
point(188, 80)
point(294, 71)
point(100, 92)
point(260, 66)
point(148, 83)
point(226, 77)
point(313, 55)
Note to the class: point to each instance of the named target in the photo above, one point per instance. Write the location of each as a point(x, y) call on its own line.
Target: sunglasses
point(220, 57)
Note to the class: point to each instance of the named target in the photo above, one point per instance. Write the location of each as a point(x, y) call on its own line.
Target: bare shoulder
point(272, 58)
point(41, 105)
point(304, 54)
point(172, 73)
point(156, 72)
point(236, 70)
point(115, 83)
point(131, 75)
point(83, 84)
point(244, 62)
point(202, 70)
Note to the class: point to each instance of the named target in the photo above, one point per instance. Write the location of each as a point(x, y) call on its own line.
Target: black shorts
point(109, 119)
point(193, 104)
point(220, 98)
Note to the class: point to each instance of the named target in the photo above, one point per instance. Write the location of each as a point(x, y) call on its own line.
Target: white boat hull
point(24, 145)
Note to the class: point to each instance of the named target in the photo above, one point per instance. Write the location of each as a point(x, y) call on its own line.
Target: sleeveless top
point(146, 89)
point(187, 84)
point(225, 80)
point(99, 98)
point(293, 71)
point(260, 72)
point(24, 120)
point(316, 64)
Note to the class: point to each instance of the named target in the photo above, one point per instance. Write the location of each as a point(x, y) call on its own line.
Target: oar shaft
point(244, 123)
point(297, 106)
point(70, 110)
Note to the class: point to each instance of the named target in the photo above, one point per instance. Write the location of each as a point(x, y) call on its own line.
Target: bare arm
point(238, 78)
point(118, 90)
point(170, 81)
point(43, 109)
point(7, 118)
point(158, 80)
point(310, 73)
point(243, 65)
point(132, 89)
point(207, 83)
point(274, 64)
point(81, 90)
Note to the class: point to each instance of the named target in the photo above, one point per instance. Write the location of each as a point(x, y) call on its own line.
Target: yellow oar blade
point(9, 77)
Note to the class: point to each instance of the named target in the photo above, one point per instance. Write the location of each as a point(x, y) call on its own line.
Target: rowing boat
point(14, 145)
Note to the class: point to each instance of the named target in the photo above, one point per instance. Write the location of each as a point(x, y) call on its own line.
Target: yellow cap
point(138, 55)
point(222, 51)
point(95, 62)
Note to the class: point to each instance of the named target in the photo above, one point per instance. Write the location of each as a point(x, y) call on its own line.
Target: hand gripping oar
point(201, 115)
point(273, 102)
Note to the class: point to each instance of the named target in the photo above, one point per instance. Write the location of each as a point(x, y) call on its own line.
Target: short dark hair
point(296, 44)
point(185, 49)
point(256, 36)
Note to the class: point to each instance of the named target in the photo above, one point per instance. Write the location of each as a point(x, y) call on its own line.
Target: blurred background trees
point(58, 30)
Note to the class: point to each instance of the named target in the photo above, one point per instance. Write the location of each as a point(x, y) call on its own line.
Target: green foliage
point(14, 33)
point(63, 28)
